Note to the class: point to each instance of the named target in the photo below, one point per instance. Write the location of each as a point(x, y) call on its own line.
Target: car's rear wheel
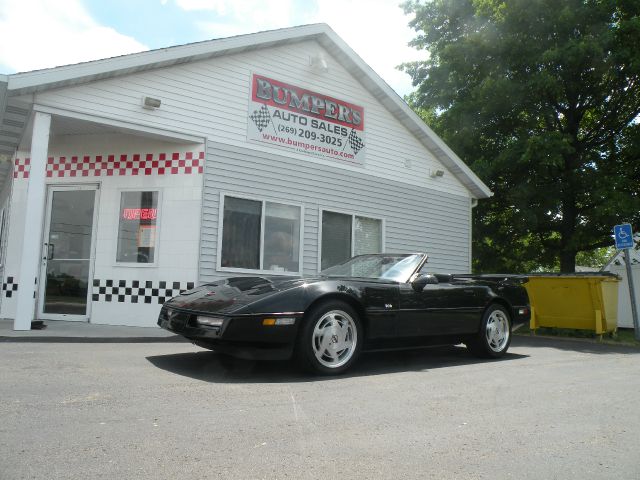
point(331, 338)
point(494, 337)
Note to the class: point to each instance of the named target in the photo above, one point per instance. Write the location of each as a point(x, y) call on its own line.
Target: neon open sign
point(140, 213)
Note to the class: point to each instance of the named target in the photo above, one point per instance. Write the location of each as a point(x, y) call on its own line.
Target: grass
point(621, 337)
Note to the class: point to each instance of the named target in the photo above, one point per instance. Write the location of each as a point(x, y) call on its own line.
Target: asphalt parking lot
point(549, 410)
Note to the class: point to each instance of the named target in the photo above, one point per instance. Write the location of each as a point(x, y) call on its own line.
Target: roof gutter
point(405, 114)
point(4, 85)
point(38, 80)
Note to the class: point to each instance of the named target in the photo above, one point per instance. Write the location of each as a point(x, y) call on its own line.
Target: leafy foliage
point(596, 258)
point(541, 98)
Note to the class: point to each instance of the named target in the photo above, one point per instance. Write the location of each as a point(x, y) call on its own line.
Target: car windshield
point(381, 266)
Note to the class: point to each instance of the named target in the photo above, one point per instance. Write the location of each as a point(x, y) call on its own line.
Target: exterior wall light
point(151, 103)
point(437, 173)
point(319, 63)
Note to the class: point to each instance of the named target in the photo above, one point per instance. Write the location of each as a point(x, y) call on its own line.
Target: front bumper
point(242, 336)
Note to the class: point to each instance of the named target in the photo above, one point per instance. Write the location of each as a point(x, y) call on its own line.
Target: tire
point(330, 339)
point(494, 337)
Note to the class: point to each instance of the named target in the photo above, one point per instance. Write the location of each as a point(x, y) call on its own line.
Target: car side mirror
point(423, 280)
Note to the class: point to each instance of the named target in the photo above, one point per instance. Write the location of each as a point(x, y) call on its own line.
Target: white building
point(128, 179)
point(617, 265)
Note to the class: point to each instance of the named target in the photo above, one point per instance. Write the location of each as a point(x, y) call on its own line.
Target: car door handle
point(468, 290)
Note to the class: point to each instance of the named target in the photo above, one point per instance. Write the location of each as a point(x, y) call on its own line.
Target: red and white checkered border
point(22, 167)
point(186, 163)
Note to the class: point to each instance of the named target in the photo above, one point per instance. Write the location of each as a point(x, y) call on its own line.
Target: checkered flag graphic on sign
point(261, 117)
point(355, 141)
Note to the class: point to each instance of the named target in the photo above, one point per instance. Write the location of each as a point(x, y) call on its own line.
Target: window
point(346, 235)
point(137, 232)
point(260, 235)
point(368, 235)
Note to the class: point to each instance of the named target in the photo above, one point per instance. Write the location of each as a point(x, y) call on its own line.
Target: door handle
point(51, 250)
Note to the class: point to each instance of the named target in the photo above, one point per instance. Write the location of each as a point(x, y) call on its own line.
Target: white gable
point(210, 98)
point(185, 72)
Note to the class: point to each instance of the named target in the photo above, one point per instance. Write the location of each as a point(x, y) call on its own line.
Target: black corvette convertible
point(368, 302)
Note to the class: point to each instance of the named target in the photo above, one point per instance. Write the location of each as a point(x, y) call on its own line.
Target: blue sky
point(45, 33)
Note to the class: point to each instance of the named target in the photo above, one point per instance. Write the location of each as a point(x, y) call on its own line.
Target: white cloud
point(46, 33)
point(240, 17)
point(377, 30)
point(218, 6)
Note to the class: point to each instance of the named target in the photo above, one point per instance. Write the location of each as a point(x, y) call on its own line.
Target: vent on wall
point(318, 63)
point(151, 103)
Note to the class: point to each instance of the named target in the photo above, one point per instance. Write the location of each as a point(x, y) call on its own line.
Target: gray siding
point(210, 99)
point(417, 219)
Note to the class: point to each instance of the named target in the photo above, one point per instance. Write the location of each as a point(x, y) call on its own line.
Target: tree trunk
point(569, 210)
point(568, 261)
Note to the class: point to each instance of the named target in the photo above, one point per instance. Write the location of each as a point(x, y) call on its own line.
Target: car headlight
point(210, 321)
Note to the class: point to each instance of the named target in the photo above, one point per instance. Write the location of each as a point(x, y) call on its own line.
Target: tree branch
point(593, 246)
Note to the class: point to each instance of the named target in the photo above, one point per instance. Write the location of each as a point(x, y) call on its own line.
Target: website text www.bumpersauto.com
point(307, 146)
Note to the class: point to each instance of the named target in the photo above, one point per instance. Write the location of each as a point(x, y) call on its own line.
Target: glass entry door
point(67, 261)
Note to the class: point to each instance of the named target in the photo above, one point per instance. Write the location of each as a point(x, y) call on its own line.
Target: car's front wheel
point(331, 338)
point(494, 337)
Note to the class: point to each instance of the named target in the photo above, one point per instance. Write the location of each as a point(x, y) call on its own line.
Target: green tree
point(541, 98)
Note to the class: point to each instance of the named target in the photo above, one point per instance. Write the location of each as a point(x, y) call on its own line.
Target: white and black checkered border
point(9, 287)
point(137, 291)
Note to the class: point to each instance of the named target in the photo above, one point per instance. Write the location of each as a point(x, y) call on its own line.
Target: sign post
point(624, 241)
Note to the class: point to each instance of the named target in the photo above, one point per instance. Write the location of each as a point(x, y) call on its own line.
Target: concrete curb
point(573, 343)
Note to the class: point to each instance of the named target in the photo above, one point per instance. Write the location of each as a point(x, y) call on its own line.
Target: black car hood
point(231, 294)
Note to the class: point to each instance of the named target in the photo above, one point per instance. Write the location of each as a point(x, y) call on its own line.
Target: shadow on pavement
point(58, 339)
point(211, 367)
point(572, 344)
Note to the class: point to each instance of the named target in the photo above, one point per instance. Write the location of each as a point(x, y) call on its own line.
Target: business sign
point(623, 235)
point(298, 119)
point(139, 213)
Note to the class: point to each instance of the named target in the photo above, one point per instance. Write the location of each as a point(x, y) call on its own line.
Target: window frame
point(353, 214)
point(156, 255)
point(263, 201)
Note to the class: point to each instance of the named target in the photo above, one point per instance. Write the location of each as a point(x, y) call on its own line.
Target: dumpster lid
point(490, 275)
point(575, 274)
point(495, 277)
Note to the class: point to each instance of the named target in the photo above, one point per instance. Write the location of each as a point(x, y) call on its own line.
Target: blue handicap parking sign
point(624, 236)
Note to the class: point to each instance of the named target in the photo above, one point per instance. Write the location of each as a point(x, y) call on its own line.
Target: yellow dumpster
point(575, 301)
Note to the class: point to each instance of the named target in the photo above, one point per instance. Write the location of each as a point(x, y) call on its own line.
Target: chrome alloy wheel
point(497, 331)
point(334, 339)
